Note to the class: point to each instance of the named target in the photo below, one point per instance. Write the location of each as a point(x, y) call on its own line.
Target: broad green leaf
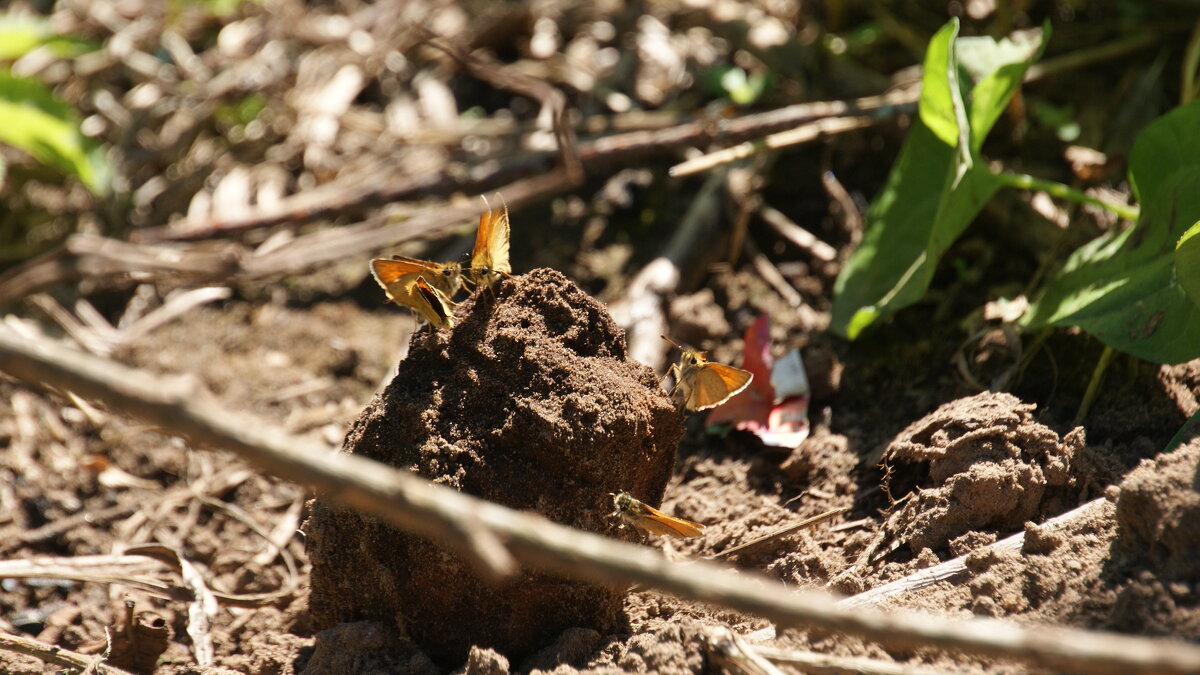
point(998, 69)
point(936, 188)
point(47, 129)
point(1124, 287)
point(916, 217)
point(941, 99)
point(1187, 262)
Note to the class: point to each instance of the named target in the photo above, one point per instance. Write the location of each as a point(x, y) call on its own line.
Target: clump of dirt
point(1158, 513)
point(990, 464)
point(530, 402)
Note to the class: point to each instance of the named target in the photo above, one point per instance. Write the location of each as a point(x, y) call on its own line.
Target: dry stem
point(56, 655)
point(490, 533)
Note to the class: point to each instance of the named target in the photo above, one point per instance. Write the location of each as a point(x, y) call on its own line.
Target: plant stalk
point(1023, 181)
point(1089, 396)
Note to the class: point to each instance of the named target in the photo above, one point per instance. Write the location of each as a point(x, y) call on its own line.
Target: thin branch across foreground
point(497, 538)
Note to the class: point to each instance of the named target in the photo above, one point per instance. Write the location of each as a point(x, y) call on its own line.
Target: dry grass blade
point(782, 532)
point(171, 558)
point(244, 518)
point(202, 605)
point(201, 612)
point(454, 519)
point(128, 570)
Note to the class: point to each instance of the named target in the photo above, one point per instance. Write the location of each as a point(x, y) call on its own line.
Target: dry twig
point(731, 652)
point(799, 236)
point(492, 535)
point(782, 532)
point(953, 568)
point(801, 134)
point(89, 256)
point(351, 195)
point(56, 655)
point(814, 663)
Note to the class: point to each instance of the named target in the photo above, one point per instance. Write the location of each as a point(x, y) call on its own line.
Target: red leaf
point(754, 409)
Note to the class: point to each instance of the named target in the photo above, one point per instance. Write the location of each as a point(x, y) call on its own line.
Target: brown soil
point(529, 402)
point(971, 469)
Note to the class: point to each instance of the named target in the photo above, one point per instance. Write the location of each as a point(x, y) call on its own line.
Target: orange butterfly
point(651, 519)
point(446, 277)
point(489, 258)
point(411, 289)
point(706, 384)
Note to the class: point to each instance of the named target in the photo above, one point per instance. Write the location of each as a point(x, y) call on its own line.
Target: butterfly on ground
point(446, 277)
point(706, 384)
point(440, 282)
point(651, 519)
point(412, 289)
point(489, 257)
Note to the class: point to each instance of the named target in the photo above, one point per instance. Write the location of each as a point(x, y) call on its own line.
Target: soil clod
point(990, 464)
point(529, 401)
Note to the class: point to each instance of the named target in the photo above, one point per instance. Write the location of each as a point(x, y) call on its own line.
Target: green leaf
point(998, 69)
point(916, 217)
point(1189, 430)
point(21, 34)
point(1124, 287)
point(941, 106)
point(936, 188)
point(1187, 263)
point(47, 129)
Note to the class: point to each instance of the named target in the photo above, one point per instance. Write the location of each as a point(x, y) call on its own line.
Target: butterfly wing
point(395, 277)
point(446, 277)
point(668, 525)
point(491, 244)
point(499, 239)
point(431, 304)
point(715, 383)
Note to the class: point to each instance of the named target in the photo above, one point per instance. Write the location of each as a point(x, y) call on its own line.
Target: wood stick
point(801, 134)
point(815, 663)
point(86, 256)
point(957, 566)
point(62, 525)
point(352, 196)
point(56, 655)
point(799, 236)
point(493, 536)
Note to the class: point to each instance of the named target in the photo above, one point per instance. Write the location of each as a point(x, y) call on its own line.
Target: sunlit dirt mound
point(529, 402)
point(991, 466)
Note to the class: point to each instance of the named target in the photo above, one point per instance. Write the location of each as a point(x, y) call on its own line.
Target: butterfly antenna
point(672, 342)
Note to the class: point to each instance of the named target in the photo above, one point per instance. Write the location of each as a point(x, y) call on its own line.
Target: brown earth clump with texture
point(991, 466)
point(530, 402)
